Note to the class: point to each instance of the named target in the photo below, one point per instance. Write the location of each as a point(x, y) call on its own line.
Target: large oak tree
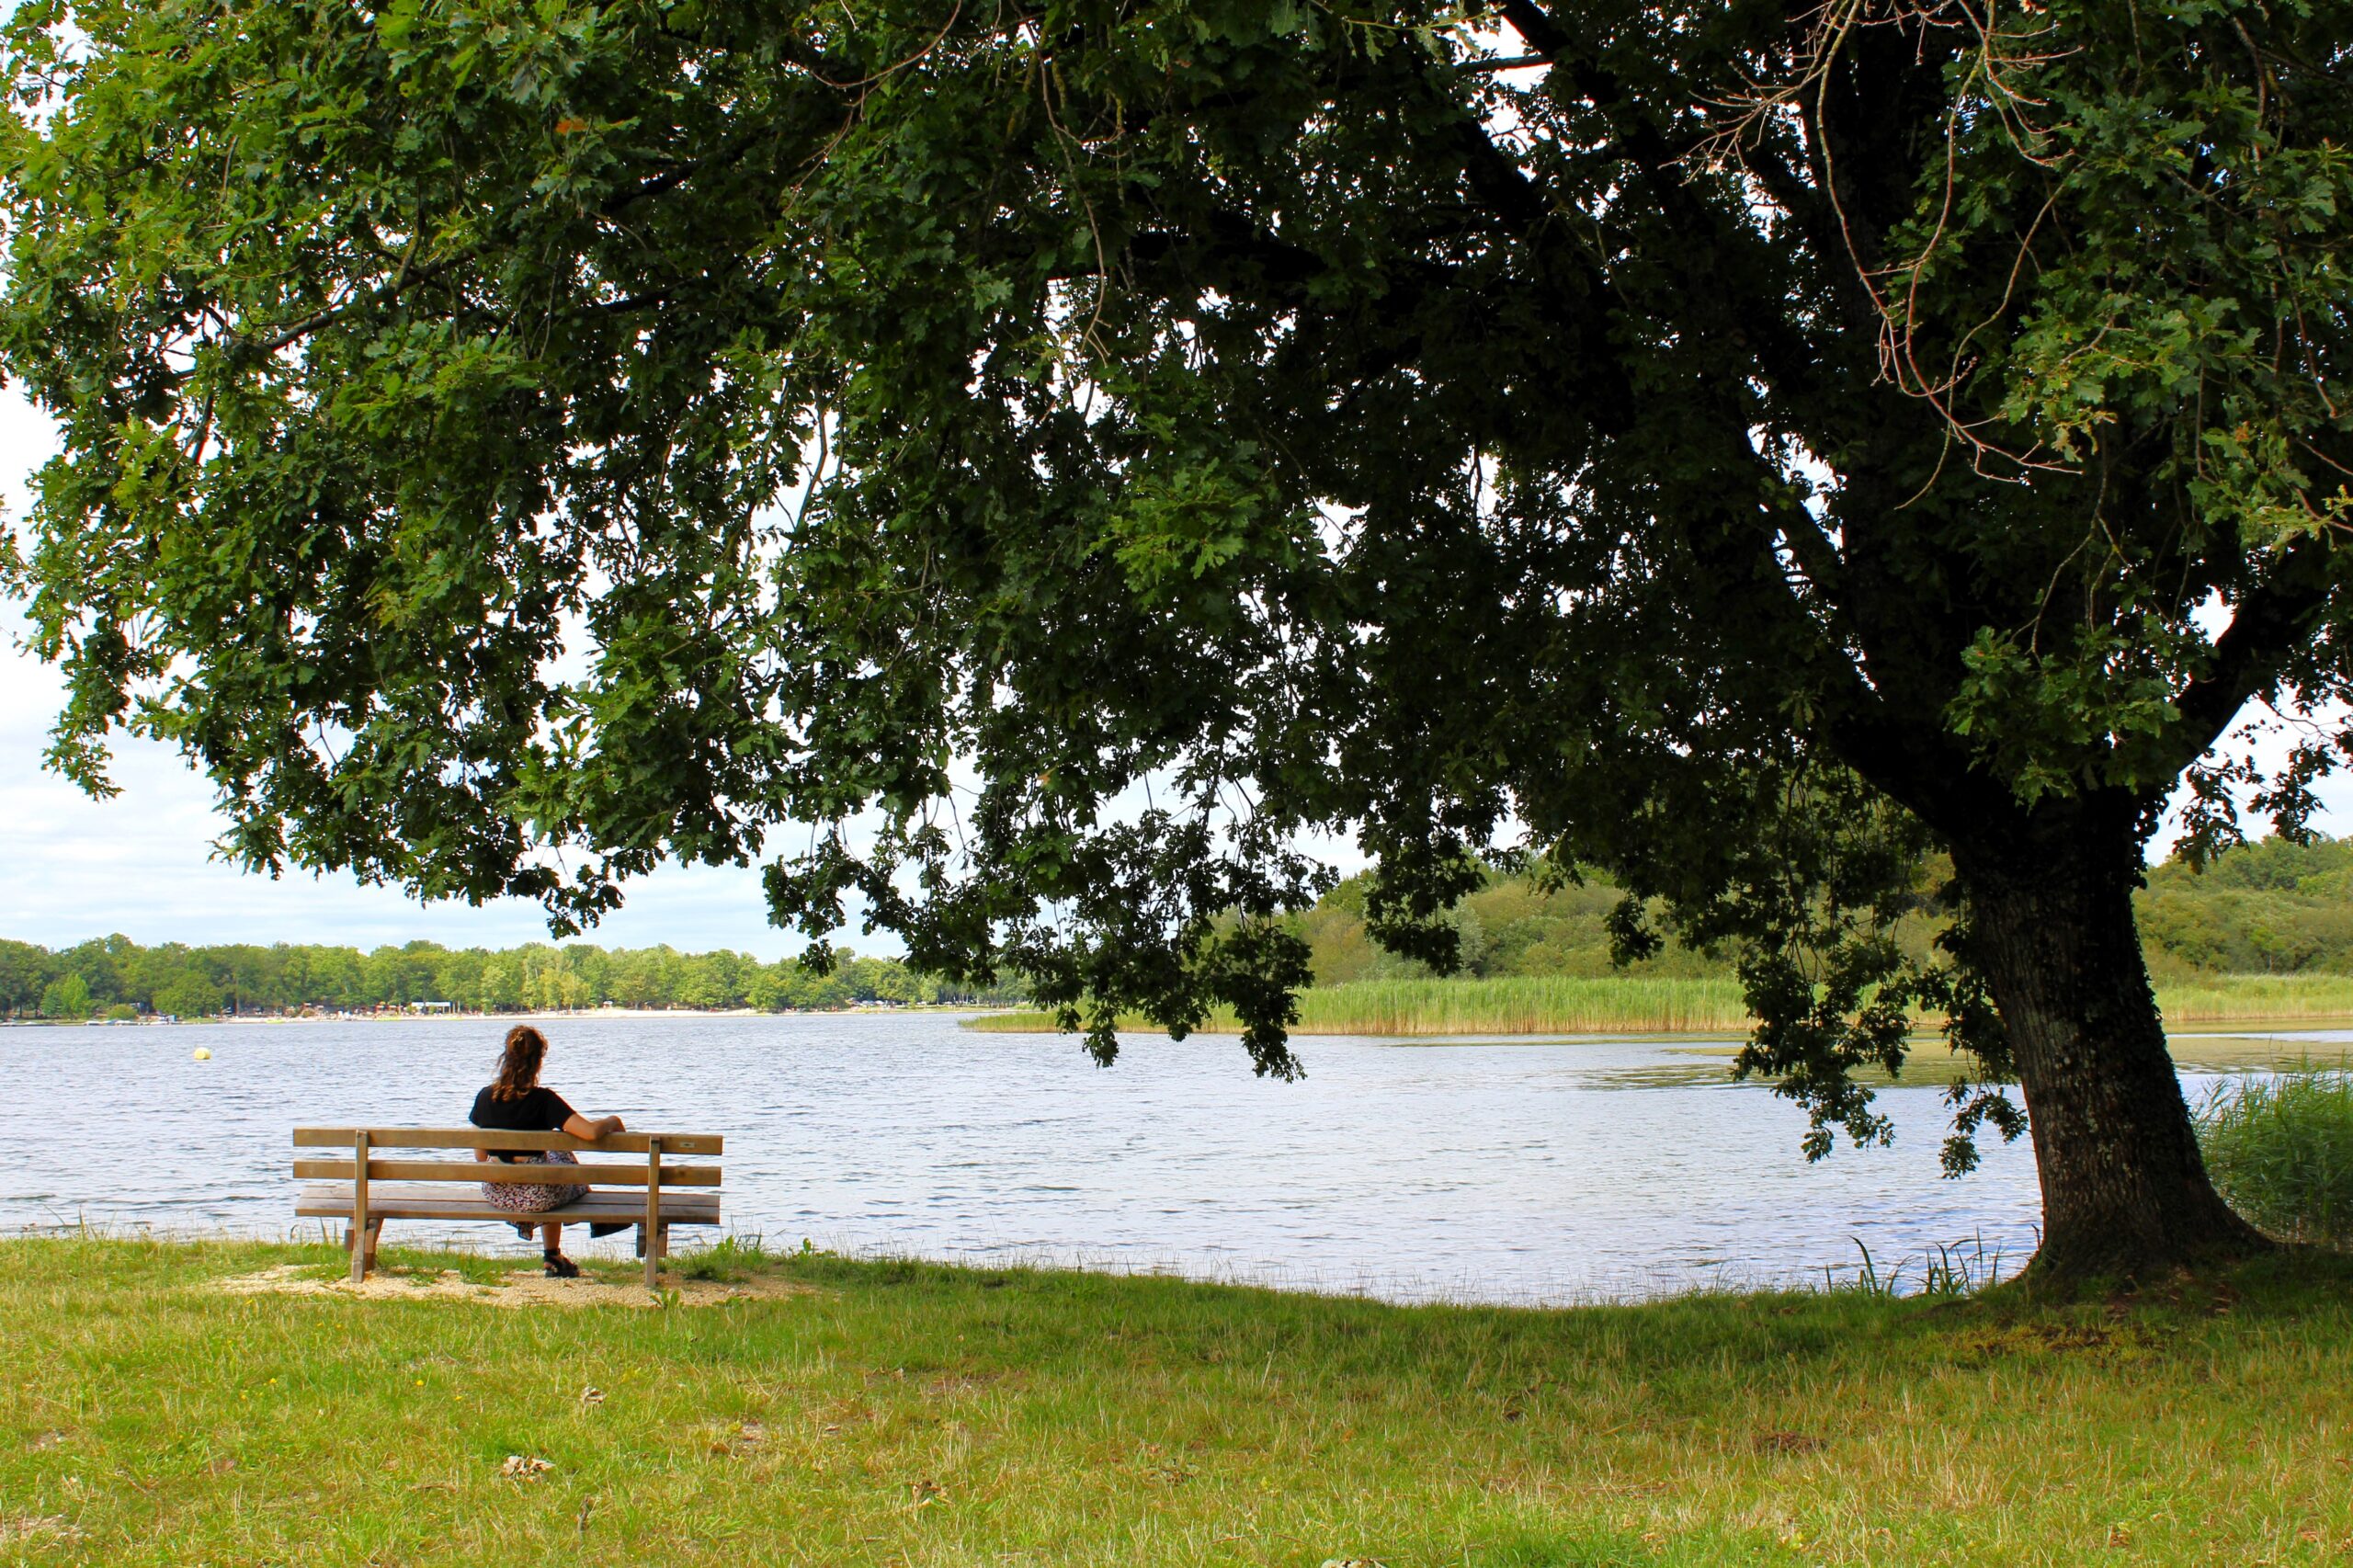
point(1029, 464)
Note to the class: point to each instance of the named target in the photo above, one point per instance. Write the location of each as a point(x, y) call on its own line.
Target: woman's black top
point(534, 1110)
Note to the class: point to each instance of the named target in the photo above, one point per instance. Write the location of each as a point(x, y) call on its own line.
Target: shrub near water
point(2280, 1149)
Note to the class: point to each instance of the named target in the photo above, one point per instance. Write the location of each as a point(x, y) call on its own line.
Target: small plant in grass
point(2280, 1149)
point(1958, 1269)
point(1962, 1268)
point(729, 1258)
point(1867, 1280)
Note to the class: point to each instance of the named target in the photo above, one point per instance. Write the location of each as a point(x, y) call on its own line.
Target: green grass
point(1647, 1005)
point(906, 1414)
point(2280, 1149)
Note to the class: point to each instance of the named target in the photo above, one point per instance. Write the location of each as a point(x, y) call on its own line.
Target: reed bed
point(1525, 1004)
point(2280, 1149)
point(1650, 1004)
point(1514, 1005)
point(2244, 999)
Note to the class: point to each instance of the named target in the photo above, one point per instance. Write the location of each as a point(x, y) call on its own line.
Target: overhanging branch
point(2272, 620)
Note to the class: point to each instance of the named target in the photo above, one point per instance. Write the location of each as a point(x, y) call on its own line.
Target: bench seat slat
point(487, 1138)
point(324, 1200)
point(503, 1174)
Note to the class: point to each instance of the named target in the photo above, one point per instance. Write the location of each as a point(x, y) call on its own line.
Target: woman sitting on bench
point(517, 1102)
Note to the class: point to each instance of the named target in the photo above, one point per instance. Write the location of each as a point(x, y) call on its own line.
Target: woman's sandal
point(560, 1266)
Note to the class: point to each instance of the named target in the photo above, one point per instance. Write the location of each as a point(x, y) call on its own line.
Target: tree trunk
point(2124, 1189)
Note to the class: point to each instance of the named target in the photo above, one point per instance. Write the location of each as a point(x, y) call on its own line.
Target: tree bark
point(2124, 1188)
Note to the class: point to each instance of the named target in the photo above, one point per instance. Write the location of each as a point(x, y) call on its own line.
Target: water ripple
point(1502, 1172)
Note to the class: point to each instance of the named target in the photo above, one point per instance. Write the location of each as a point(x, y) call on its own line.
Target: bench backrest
point(654, 1170)
point(361, 1167)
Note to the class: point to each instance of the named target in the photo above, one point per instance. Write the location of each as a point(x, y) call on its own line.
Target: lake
point(1498, 1171)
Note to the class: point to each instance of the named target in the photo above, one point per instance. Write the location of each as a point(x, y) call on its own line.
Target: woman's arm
point(580, 1126)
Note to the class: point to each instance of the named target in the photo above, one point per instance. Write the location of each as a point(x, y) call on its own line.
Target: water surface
point(1503, 1171)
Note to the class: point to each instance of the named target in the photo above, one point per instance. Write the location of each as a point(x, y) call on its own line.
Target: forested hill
point(2272, 907)
point(117, 976)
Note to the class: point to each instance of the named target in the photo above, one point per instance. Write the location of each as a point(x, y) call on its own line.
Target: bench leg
point(661, 1243)
point(375, 1234)
point(359, 1245)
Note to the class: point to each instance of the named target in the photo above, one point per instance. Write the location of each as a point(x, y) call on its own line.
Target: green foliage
point(1510, 926)
point(187, 997)
point(67, 998)
point(2273, 908)
point(24, 970)
point(196, 981)
point(2277, 906)
point(2280, 1149)
point(1029, 469)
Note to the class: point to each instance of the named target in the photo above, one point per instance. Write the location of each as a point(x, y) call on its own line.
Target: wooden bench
point(364, 1190)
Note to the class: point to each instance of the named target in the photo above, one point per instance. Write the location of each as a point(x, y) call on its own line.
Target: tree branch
point(1759, 326)
point(2271, 621)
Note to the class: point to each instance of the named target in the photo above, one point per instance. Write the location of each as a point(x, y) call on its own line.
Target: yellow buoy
point(203, 1054)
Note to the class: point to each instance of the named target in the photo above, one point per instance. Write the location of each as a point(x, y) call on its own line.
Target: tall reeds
point(1636, 1003)
point(1514, 1005)
point(2281, 1151)
point(2238, 998)
point(1525, 1004)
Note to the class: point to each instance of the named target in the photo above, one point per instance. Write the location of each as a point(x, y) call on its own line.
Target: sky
point(142, 863)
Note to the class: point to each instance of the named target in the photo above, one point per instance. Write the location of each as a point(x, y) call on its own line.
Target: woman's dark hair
point(518, 1067)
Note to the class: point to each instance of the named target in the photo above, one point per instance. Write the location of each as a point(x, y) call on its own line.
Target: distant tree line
point(2270, 907)
point(116, 976)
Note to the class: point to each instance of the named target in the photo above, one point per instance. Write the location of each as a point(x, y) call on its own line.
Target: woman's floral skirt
point(530, 1197)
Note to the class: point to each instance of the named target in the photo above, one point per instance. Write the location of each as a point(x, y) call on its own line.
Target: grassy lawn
point(909, 1413)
